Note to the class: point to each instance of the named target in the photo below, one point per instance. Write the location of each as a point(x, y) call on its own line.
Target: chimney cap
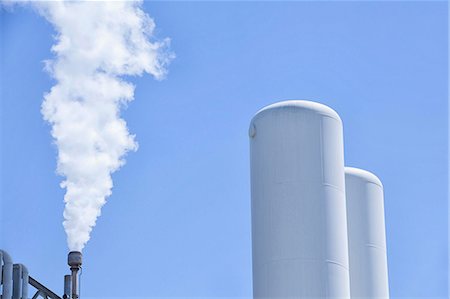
point(74, 259)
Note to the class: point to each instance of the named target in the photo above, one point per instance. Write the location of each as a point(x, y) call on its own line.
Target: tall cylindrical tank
point(366, 235)
point(299, 224)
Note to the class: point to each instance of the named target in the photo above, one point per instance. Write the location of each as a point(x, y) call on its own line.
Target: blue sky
point(178, 222)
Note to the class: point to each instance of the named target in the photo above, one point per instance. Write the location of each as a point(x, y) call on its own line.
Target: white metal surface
point(366, 234)
point(299, 224)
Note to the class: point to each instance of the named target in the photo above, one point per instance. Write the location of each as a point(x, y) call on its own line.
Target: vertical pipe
point(24, 282)
point(1, 268)
point(7, 275)
point(74, 284)
point(74, 260)
point(67, 284)
point(366, 235)
point(299, 222)
point(17, 281)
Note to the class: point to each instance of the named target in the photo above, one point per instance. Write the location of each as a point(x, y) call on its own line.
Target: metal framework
point(42, 290)
point(14, 281)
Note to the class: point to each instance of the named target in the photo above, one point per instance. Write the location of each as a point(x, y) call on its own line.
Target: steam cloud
point(96, 44)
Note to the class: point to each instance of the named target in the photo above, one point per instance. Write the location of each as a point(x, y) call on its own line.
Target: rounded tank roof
point(300, 104)
point(363, 175)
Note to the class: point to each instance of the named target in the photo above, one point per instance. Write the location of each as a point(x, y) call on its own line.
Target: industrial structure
point(366, 234)
point(15, 279)
point(317, 227)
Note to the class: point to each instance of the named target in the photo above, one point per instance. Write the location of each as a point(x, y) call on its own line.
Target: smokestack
point(74, 259)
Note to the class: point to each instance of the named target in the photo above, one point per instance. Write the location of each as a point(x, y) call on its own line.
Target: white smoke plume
point(97, 43)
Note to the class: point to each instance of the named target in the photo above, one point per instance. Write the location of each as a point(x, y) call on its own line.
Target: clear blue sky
point(178, 222)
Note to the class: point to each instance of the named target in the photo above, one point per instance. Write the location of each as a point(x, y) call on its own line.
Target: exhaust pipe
point(74, 259)
point(67, 284)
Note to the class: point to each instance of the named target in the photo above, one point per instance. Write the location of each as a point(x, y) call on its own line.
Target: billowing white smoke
point(96, 44)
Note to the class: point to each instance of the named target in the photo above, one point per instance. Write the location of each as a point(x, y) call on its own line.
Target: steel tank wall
point(366, 234)
point(299, 224)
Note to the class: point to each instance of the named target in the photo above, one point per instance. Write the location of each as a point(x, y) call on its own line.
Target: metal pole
point(24, 282)
point(17, 283)
point(67, 283)
point(74, 283)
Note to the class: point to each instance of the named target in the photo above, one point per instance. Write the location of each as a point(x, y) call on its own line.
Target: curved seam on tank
point(337, 263)
point(375, 246)
point(370, 182)
point(334, 187)
point(299, 259)
point(327, 115)
point(263, 112)
point(307, 183)
point(317, 113)
point(364, 180)
point(287, 259)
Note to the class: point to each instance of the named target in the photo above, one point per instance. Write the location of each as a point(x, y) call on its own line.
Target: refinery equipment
point(15, 280)
point(317, 227)
point(299, 222)
point(366, 234)
point(74, 260)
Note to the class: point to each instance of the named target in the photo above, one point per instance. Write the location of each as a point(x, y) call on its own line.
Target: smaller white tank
point(366, 235)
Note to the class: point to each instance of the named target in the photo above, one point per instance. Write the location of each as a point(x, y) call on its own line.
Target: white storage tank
point(366, 235)
point(299, 223)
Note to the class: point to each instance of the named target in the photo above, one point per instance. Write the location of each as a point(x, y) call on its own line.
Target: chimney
point(74, 259)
